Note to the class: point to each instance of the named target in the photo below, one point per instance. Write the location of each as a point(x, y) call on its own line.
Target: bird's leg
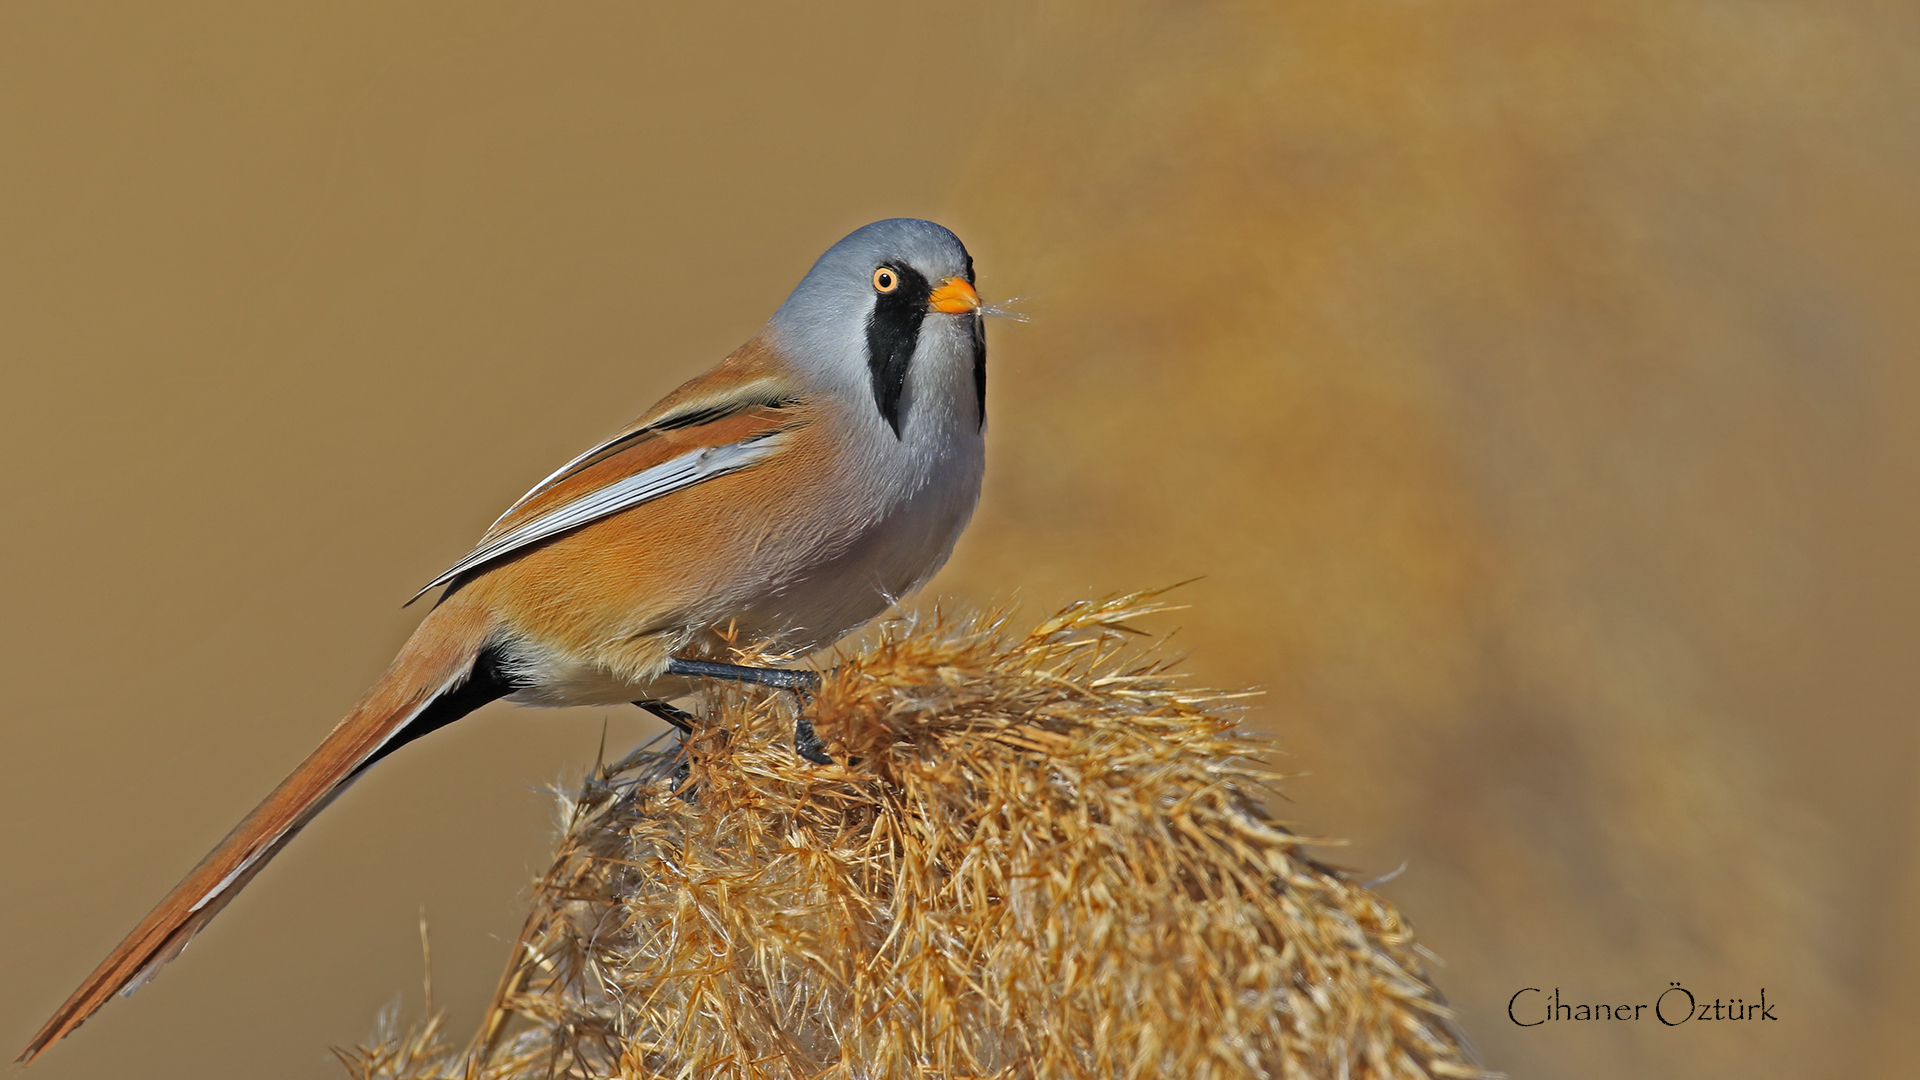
point(682, 719)
point(779, 678)
point(679, 718)
point(806, 742)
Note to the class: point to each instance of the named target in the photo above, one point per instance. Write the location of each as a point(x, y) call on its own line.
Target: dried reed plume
point(1044, 858)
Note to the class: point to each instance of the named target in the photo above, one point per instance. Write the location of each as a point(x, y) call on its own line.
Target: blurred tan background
point(1534, 386)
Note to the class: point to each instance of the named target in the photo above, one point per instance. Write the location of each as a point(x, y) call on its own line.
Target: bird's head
point(891, 311)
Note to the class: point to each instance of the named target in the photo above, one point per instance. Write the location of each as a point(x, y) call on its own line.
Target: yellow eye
point(885, 280)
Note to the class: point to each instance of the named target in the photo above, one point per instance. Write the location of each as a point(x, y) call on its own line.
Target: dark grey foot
point(679, 718)
point(683, 770)
point(806, 743)
point(683, 785)
point(779, 678)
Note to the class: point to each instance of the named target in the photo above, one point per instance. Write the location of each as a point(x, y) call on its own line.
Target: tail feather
point(436, 668)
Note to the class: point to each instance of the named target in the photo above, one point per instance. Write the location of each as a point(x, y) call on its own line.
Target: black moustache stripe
point(893, 332)
point(979, 360)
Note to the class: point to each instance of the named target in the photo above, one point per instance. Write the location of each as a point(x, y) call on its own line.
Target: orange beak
point(953, 297)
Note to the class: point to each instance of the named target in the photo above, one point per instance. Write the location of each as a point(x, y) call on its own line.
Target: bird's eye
point(885, 280)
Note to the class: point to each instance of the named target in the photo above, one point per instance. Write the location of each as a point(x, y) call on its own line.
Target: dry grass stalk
point(1047, 859)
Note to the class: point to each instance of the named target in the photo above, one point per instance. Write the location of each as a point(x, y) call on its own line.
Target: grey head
point(888, 311)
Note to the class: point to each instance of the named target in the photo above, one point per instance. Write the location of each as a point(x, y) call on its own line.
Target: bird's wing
point(725, 421)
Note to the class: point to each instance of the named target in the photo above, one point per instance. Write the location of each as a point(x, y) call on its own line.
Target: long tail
point(440, 675)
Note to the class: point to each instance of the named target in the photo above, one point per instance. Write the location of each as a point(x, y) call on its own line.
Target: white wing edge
point(644, 486)
point(757, 392)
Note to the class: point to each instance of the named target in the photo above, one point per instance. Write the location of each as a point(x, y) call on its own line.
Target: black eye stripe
point(893, 332)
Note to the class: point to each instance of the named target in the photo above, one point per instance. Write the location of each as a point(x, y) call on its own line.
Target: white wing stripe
point(757, 393)
point(663, 479)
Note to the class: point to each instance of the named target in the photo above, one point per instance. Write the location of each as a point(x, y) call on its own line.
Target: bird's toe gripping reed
point(1049, 858)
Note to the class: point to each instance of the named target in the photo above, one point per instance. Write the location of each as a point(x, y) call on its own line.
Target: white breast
point(914, 491)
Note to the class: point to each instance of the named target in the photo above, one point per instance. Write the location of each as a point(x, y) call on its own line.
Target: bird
point(787, 496)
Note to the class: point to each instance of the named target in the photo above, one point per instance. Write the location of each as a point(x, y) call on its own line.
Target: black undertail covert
point(489, 682)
